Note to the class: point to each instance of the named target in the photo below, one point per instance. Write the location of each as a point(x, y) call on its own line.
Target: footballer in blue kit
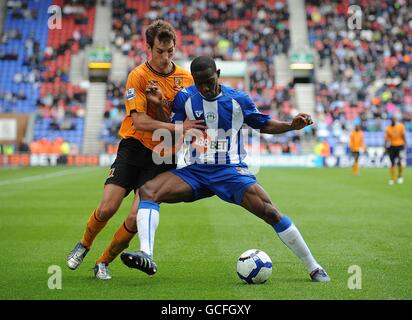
point(218, 166)
point(214, 165)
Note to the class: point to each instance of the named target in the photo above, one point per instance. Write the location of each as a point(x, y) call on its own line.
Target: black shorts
point(355, 155)
point(134, 166)
point(394, 152)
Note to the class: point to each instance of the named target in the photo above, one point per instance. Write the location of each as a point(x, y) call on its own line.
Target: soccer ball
point(254, 266)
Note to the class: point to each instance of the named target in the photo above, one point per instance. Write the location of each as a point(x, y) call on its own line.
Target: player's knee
point(272, 214)
point(107, 210)
point(147, 192)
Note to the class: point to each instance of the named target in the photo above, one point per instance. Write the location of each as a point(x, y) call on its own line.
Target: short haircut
point(202, 63)
point(162, 30)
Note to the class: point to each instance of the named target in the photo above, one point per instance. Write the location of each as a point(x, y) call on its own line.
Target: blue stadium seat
point(37, 27)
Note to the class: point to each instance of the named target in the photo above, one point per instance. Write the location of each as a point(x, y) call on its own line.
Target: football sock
point(93, 227)
point(120, 241)
point(400, 171)
point(292, 238)
point(147, 222)
point(393, 173)
point(355, 168)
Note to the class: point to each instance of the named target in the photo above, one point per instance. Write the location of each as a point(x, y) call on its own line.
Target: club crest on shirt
point(210, 116)
point(130, 94)
point(178, 83)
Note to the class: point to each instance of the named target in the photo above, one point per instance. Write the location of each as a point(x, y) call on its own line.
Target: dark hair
point(202, 63)
point(162, 30)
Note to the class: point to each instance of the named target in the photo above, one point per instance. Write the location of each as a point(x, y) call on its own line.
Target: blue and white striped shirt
point(224, 117)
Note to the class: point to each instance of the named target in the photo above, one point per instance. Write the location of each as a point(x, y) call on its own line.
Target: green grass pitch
point(345, 220)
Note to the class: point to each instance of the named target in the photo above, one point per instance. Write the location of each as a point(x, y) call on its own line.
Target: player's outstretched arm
point(141, 121)
point(299, 122)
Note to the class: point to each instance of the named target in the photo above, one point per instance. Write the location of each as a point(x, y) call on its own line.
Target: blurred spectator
point(371, 67)
point(7, 149)
point(114, 113)
point(8, 56)
point(23, 147)
point(46, 146)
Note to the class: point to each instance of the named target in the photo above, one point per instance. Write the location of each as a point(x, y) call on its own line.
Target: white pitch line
point(44, 176)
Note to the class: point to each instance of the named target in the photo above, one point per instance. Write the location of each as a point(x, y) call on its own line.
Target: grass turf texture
point(345, 220)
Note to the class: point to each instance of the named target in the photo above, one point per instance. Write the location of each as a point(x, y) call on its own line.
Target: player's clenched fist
point(301, 120)
point(153, 93)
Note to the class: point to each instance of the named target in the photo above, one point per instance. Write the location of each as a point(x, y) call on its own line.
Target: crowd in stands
point(20, 55)
point(12, 97)
point(61, 102)
point(228, 30)
point(114, 113)
point(46, 146)
point(47, 69)
point(12, 34)
point(56, 146)
point(62, 107)
point(20, 10)
point(371, 66)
